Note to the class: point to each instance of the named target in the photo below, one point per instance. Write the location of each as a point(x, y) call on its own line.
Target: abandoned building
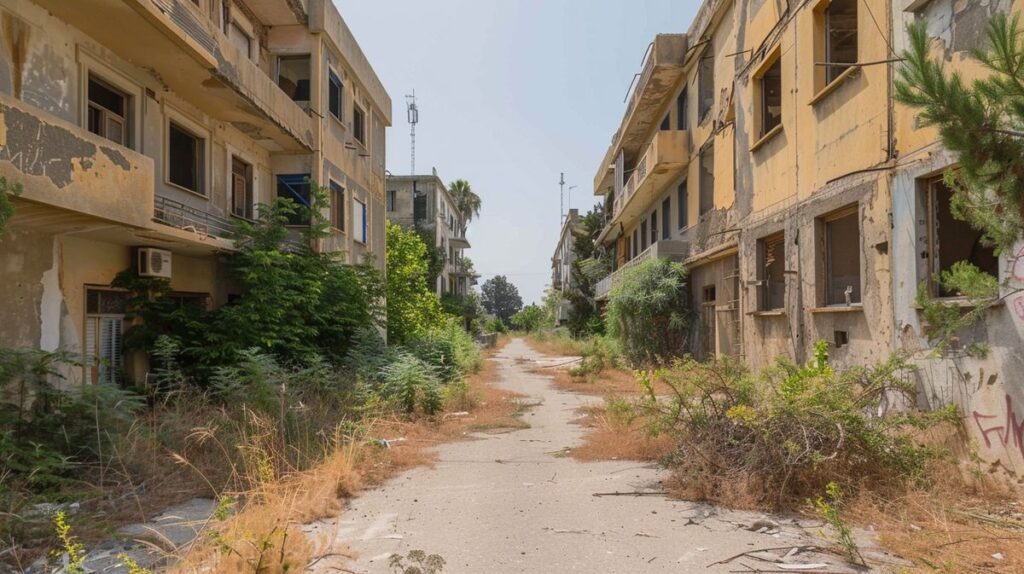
point(422, 202)
point(561, 265)
point(141, 129)
point(765, 151)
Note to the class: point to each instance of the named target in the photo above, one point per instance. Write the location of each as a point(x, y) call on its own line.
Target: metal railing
point(664, 249)
point(176, 214)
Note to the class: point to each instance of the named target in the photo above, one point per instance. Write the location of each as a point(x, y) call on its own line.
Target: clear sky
point(511, 93)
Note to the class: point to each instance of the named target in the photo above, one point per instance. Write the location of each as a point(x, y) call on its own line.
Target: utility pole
point(413, 115)
point(561, 197)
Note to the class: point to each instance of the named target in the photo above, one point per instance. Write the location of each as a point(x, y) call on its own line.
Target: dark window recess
point(666, 218)
point(842, 259)
point(337, 206)
point(359, 125)
point(840, 37)
point(953, 240)
point(771, 97)
point(681, 109)
point(705, 84)
point(842, 338)
point(335, 95)
point(419, 207)
point(643, 236)
point(296, 188)
point(293, 74)
point(666, 124)
point(185, 159)
point(772, 267)
point(392, 199)
point(636, 244)
point(108, 111)
point(707, 179)
point(682, 199)
point(241, 188)
point(654, 227)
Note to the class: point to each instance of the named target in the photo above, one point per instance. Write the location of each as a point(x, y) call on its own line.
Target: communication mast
point(413, 115)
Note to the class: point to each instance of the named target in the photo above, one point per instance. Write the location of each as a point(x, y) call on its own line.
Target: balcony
point(204, 224)
point(72, 179)
point(662, 70)
point(459, 241)
point(181, 46)
point(673, 250)
point(662, 162)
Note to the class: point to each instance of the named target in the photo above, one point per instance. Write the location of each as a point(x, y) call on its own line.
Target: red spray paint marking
point(1018, 306)
point(1017, 266)
point(1010, 428)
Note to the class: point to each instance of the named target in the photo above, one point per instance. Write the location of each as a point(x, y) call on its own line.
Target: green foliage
point(830, 508)
point(71, 550)
point(495, 325)
point(943, 320)
point(589, 266)
point(466, 200)
point(414, 383)
point(467, 307)
point(980, 122)
point(6, 206)
point(501, 298)
point(435, 256)
point(649, 311)
point(598, 353)
point(412, 307)
point(531, 318)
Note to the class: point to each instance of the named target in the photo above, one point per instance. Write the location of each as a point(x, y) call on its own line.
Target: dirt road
point(513, 502)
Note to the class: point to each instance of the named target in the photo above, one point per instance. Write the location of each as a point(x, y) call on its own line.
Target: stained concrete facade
point(816, 224)
point(561, 264)
point(95, 120)
point(422, 202)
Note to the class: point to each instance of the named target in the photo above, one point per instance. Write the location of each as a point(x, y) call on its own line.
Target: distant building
point(561, 265)
point(422, 202)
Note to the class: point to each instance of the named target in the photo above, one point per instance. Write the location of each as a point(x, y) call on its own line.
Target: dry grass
point(617, 435)
point(608, 381)
point(555, 345)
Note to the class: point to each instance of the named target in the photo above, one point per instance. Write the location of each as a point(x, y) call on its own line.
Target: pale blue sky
point(511, 93)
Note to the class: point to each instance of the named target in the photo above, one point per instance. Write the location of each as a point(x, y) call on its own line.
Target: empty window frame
point(666, 218)
point(293, 73)
point(105, 312)
point(108, 111)
point(839, 37)
point(635, 244)
point(654, 227)
point(337, 206)
point(682, 199)
point(705, 84)
point(769, 84)
point(335, 95)
point(951, 240)
point(240, 38)
point(643, 236)
point(359, 125)
point(186, 159)
point(241, 188)
point(359, 221)
point(771, 265)
point(681, 108)
point(666, 124)
point(392, 199)
point(841, 232)
point(707, 179)
point(296, 187)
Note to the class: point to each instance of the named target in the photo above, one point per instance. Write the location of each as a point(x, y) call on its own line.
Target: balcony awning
point(459, 243)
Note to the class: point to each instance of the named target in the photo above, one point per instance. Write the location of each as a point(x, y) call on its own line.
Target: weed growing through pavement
point(830, 507)
point(416, 562)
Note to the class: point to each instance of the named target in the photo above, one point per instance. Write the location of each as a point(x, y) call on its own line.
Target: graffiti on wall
point(1004, 428)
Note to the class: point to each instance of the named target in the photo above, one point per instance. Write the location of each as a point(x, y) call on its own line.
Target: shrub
point(649, 312)
point(531, 318)
point(495, 325)
point(413, 383)
point(412, 306)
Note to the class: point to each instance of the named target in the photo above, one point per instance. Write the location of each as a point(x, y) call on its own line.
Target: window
point(705, 84)
point(643, 236)
point(666, 217)
point(770, 101)
point(108, 111)
point(951, 240)
point(359, 125)
point(185, 157)
point(681, 108)
point(842, 257)
point(771, 267)
point(359, 221)
point(682, 199)
point(240, 39)
point(666, 124)
point(241, 188)
point(335, 95)
point(392, 199)
point(293, 77)
point(104, 327)
point(337, 206)
point(296, 188)
point(654, 227)
point(707, 179)
point(635, 244)
point(838, 25)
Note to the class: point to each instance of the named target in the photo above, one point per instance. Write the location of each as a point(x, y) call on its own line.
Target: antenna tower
point(413, 115)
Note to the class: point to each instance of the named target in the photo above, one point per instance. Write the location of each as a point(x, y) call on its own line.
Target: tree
point(501, 298)
point(412, 307)
point(589, 266)
point(649, 311)
point(531, 318)
point(467, 201)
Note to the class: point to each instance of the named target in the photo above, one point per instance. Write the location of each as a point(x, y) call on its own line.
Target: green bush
point(649, 311)
point(495, 325)
point(412, 306)
point(413, 383)
point(530, 319)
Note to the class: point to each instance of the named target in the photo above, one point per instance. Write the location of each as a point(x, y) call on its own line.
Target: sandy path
point(511, 503)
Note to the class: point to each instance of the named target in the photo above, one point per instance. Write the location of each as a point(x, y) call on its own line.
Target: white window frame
point(360, 227)
point(197, 129)
point(88, 64)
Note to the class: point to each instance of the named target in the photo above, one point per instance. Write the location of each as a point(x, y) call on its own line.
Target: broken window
point(643, 236)
point(108, 111)
point(682, 199)
point(840, 27)
point(654, 227)
point(185, 159)
point(705, 84)
point(636, 244)
point(419, 207)
point(666, 217)
point(666, 124)
point(952, 240)
point(105, 312)
point(359, 125)
point(770, 84)
point(707, 179)
point(293, 74)
point(241, 188)
point(771, 255)
point(681, 107)
point(842, 257)
point(359, 223)
point(296, 188)
point(337, 206)
point(335, 95)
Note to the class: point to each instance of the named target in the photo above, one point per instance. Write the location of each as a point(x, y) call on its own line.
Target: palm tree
point(467, 201)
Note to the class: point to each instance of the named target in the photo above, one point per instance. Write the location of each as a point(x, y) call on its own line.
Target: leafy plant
point(71, 551)
point(501, 298)
point(649, 311)
point(6, 206)
point(830, 508)
point(413, 383)
point(531, 318)
point(412, 306)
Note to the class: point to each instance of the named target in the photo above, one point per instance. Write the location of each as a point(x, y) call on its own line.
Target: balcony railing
point(662, 160)
point(176, 214)
point(674, 250)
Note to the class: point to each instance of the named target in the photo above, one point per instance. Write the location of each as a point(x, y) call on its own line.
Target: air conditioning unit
point(154, 262)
